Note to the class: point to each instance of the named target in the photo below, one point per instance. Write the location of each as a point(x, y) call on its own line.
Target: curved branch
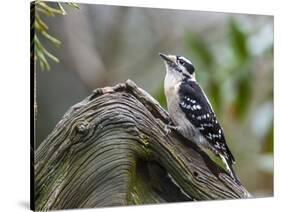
point(111, 149)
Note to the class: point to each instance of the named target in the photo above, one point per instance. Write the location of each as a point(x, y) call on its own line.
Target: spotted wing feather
point(197, 109)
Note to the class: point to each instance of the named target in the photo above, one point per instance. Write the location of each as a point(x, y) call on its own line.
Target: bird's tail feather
point(230, 169)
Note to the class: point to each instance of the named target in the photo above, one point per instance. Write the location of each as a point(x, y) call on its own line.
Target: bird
point(190, 110)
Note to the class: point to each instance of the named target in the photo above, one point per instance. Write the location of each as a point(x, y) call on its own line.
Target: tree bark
point(111, 149)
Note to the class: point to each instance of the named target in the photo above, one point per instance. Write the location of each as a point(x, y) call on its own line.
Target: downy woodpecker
point(190, 110)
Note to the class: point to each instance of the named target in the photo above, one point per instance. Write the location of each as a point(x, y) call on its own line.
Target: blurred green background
point(232, 54)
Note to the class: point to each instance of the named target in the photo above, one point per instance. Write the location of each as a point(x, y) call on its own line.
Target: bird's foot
point(168, 129)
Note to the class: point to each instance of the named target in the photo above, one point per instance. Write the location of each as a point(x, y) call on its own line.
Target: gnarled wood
point(111, 149)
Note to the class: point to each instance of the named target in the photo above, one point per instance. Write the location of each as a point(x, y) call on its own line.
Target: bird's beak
point(169, 59)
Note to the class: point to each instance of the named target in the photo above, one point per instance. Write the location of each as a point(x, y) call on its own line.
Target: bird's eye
point(181, 62)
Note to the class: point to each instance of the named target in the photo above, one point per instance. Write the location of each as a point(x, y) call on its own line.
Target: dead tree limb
point(111, 149)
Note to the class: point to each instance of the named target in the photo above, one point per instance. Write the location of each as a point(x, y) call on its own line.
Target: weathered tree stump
point(111, 149)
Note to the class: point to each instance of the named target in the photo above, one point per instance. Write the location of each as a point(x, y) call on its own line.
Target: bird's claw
point(167, 129)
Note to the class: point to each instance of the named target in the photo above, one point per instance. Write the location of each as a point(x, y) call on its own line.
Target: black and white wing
point(197, 109)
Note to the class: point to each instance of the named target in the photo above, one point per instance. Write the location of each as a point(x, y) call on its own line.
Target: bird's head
point(179, 67)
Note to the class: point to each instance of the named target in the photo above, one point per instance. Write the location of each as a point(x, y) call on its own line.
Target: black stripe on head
point(180, 71)
point(186, 63)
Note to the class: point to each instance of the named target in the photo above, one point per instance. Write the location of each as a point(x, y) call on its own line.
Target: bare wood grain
point(111, 149)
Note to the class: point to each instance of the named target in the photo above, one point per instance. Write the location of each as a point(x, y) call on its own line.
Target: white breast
point(171, 87)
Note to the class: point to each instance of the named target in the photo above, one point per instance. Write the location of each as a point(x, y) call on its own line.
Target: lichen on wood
point(111, 149)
